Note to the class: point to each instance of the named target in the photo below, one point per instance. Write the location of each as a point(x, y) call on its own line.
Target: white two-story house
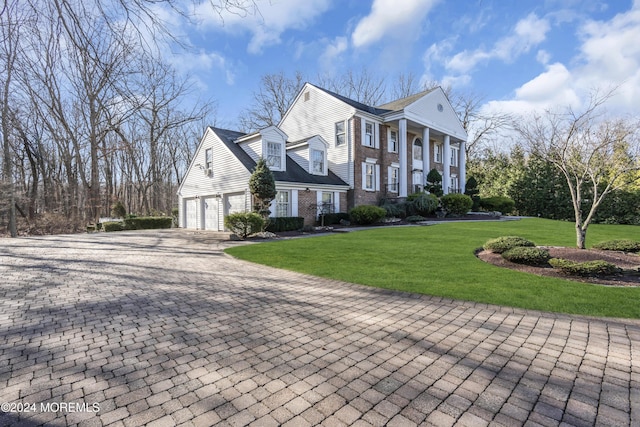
point(327, 153)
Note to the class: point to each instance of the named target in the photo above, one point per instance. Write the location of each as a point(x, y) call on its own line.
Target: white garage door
point(211, 214)
point(236, 203)
point(191, 213)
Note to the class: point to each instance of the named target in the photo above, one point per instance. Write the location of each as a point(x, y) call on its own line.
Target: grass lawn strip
point(439, 260)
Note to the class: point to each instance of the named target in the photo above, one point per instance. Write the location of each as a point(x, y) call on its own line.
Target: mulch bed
point(621, 259)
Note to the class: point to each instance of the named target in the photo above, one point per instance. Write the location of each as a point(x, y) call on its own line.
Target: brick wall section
point(306, 203)
point(359, 196)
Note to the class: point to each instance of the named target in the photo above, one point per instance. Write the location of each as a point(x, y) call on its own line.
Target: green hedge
point(504, 243)
point(288, 223)
point(148, 222)
point(502, 204)
point(587, 268)
point(335, 218)
point(367, 214)
point(527, 255)
point(113, 226)
point(623, 245)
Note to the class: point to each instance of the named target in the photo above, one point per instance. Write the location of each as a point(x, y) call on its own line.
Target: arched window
point(417, 149)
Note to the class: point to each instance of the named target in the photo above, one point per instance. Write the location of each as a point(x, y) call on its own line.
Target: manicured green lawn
point(439, 260)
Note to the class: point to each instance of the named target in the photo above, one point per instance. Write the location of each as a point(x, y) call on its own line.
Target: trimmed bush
point(456, 203)
point(587, 268)
point(287, 223)
point(504, 243)
point(415, 218)
point(113, 226)
point(527, 255)
point(623, 245)
point(502, 204)
point(367, 214)
point(394, 210)
point(244, 224)
point(148, 222)
point(422, 204)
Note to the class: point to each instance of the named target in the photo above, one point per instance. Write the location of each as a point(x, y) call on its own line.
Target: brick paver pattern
point(162, 329)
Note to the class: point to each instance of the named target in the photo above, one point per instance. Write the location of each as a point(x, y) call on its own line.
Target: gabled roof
point(294, 172)
point(355, 104)
point(401, 103)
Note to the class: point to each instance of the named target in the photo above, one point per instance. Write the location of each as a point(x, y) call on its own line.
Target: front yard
point(439, 260)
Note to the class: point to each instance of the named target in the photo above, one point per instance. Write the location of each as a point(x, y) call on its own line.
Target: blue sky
point(518, 55)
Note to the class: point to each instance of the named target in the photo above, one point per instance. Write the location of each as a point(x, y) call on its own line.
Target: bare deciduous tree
point(596, 155)
point(271, 101)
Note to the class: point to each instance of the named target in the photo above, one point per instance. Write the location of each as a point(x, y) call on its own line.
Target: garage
point(211, 213)
point(191, 213)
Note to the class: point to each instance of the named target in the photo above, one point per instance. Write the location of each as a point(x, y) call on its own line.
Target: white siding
point(253, 148)
point(317, 116)
point(426, 109)
point(229, 176)
point(236, 203)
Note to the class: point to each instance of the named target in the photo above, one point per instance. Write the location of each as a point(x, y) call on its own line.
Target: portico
point(430, 136)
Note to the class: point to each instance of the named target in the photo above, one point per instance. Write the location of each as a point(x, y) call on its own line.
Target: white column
point(402, 153)
point(426, 154)
point(446, 161)
point(462, 165)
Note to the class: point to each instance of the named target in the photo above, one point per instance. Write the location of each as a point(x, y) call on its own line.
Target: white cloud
point(543, 57)
point(333, 51)
point(266, 25)
point(527, 33)
point(204, 62)
point(391, 18)
point(609, 58)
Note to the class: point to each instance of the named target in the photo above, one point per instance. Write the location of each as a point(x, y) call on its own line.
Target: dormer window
point(274, 155)
point(317, 162)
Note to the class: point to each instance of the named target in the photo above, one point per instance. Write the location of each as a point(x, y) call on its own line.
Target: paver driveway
point(161, 328)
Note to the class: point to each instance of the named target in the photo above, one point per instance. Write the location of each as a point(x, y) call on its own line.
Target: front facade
point(328, 154)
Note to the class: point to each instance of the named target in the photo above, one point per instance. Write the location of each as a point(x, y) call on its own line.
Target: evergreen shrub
point(456, 204)
point(367, 214)
point(587, 268)
point(623, 245)
point(504, 243)
point(527, 255)
point(244, 224)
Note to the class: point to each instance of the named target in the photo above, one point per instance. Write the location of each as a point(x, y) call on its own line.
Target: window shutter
point(377, 177)
point(294, 202)
point(364, 176)
point(376, 135)
point(336, 201)
point(363, 132)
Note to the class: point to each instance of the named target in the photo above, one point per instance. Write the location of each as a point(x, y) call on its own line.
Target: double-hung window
point(370, 177)
point(368, 134)
point(393, 141)
point(274, 155)
point(208, 154)
point(282, 204)
point(437, 153)
point(317, 162)
point(340, 134)
point(454, 156)
point(394, 175)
